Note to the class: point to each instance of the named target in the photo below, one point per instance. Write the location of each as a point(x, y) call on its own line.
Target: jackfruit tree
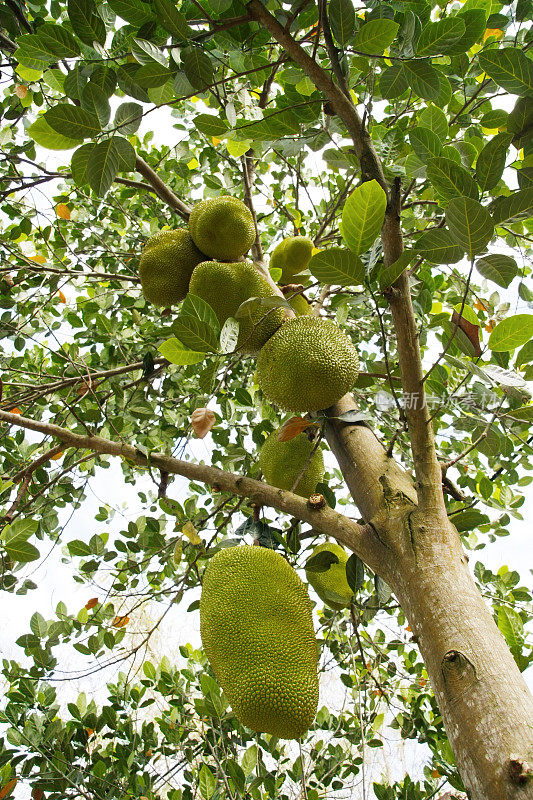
point(265, 399)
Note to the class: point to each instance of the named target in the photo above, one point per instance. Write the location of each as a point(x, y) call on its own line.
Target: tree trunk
point(485, 704)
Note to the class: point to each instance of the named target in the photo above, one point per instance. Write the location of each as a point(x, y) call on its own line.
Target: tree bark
point(485, 704)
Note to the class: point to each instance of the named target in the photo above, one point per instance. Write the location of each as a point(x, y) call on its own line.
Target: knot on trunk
point(458, 671)
point(519, 770)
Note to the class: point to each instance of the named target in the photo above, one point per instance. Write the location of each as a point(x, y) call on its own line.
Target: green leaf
point(518, 205)
point(383, 590)
point(491, 161)
point(51, 42)
point(450, 179)
point(126, 75)
point(435, 119)
point(102, 167)
point(78, 163)
point(194, 306)
point(389, 274)
point(238, 149)
point(475, 22)
point(172, 20)
point(38, 625)
point(437, 37)
point(423, 79)
point(470, 224)
point(393, 82)
point(249, 760)
point(79, 548)
point(498, 268)
point(207, 782)
point(152, 75)
point(128, 118)
point(342, 20)
point(497, 118)
point(363, 216)
point(229, 335)
point(195, 334)
point(94, 100)
point(321, 562)
point(511, 333)
point(211, 125)
point(19, 530)
point(273, 126)
point(176, 353)
point(133, 11)
point(337, 266)
point(197, 67)
point(237, 775)
point(72, 121)
point(22, 551)
point(355, 572)
point(425, 143)
point(86, 22)
point(375, 36)
point(509, 68)
point(41, 132)
point(511, 625)
point(125, 153)
point(468, 520)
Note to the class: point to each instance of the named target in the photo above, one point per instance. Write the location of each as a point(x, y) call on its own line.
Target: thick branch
point(427, 468)
point(361, 539)
point(341, 105)
point(161, 189)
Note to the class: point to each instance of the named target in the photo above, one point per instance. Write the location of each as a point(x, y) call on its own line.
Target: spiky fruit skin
point(282, 463)
point(292, 256)
point(225, 286)
point(300, 305)
point(333, 579)
point(166, 265)
point(222, 227)
point(307, 365)
point(257, 631)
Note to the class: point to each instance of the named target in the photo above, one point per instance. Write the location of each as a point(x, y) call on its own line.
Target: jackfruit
point(292, 256)
point(225, 286)
point(257, 631)
point(282, 463)
point(333, 579)
point(222, 227)
point(166, 265)
point(307, 365)
point(299, 304)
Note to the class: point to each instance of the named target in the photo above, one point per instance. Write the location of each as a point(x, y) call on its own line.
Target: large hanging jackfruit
point(257, 631)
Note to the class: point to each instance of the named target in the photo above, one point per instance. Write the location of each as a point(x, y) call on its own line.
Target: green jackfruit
point(257, 631)
point(282, 463)
point(225, 286)
point(333, 579)
point(299, 304)
point(292, 256)
point(307, 365)
point(222, 227)
point(166, 265)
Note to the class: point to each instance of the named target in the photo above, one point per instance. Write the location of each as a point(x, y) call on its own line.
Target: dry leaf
point(120, 622)
point(91, 603)
point(62, 298)
point(15, 411)
point(292, 427)
point(190, 532)
point(38, 259)
point(5, 790)
point(63, 211)
point(21, 91)
point(37, 794)
point(57, 456)
point(471, 331)
point(215, 140)
point(202, 420)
